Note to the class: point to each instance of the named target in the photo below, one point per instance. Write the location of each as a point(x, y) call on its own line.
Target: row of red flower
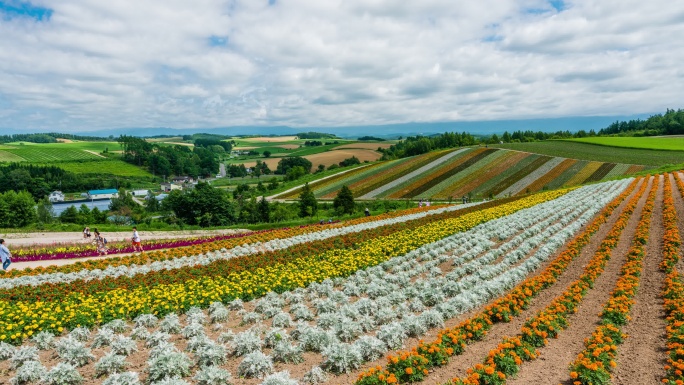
point(412, 366)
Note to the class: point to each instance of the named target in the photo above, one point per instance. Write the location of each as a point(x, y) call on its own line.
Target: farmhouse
point(167, 187)
point(140, 193)
point(103, 194)
point(56, 196)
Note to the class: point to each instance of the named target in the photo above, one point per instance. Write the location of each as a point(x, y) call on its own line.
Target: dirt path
point(95, 153)
point(476, 351)
point(646, 345)
point(679, 207)
point(552, 365)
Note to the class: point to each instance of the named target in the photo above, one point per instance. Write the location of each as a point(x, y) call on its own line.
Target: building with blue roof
point(103, 194)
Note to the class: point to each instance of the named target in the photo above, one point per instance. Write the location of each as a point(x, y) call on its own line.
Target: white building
point(140, 193)
point(103, 194)
point(56, 196)
point(167, 187)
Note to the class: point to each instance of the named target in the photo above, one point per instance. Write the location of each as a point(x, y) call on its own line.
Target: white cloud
point(212, 63)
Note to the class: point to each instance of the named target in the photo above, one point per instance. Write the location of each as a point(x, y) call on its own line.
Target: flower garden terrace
point(338, 303)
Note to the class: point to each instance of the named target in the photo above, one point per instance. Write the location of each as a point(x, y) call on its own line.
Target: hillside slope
point(477, 172)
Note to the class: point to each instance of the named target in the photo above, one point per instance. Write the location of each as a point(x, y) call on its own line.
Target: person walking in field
point(101, 243)
point(367, 212)
point(136, 240)
point(5, 255)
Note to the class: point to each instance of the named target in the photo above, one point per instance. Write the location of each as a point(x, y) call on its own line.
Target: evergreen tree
point(46, 214)
point(344, 201)
point(308, 206)
point(264, 210)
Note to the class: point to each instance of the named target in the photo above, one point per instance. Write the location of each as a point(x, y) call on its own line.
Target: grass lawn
point(586, 151)
point(651, 143)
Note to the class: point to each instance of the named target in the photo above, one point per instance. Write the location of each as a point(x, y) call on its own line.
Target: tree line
point(670, 123)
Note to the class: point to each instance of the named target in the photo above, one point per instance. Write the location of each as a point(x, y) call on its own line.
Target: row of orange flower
point(413, 366)
point(505, 360)
point(673, 291)
point(594, 364)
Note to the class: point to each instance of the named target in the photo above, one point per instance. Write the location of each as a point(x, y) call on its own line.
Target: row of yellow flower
point(453, 341)
point(673, 291)
point(594, 364)
point(21, 319)
point(505, 360)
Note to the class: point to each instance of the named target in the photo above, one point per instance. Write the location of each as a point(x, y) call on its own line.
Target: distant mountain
point(571, 124)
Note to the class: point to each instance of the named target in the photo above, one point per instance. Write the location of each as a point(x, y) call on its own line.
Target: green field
point(586, 151)
point(650, 143)
point(102, 166)
point(54, 152)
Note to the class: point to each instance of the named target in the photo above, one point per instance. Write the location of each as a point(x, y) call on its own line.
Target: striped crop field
point(536, 289)
point(477, 172)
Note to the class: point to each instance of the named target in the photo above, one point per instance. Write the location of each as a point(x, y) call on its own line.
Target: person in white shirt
point(137, 246)
point(5, 255)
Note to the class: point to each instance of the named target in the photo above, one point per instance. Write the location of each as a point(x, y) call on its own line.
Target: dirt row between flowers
point(679, 207)
point(642, 356)
point(477, 350)
point(551, 367)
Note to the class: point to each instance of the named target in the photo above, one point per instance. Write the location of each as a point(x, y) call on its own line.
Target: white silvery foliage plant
point(157, 338)
point(255, 364)
point(414, 326)
point(6, 351)
point(62, 374)
point(146, 320)
point(170, 381)
point(315, 376)
point(432, 319)
point(251, 318)
point(211, 354)
point(282, 319)
point(197, 342)
point(315, 339)
point(275, 335)
point(226, 337)
point(192, 330)
point(218, 312)
point(301, 312)
point(393, 335)
point(74, 352)
point(30, 371)
point(212, 375)
point(327, 321)
point(347, 330)
point(247, 342)
point(170, 324)
point(342, 358)
point(168, 365)
point(140, 333)
point(371, 348)
point(196, 315)
point(117, 325)
point(44, 340)
point(287, 353)
point(279, 378)
point(126, 378)
point(110, 363)
point(23, 354)
point(103, 337)
point(123, 345)
point(164, 347)
point(236, 304)
point(81, 334)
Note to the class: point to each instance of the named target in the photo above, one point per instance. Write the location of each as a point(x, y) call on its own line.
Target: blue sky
point(82, 65)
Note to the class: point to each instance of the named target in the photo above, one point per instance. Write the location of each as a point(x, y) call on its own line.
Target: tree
point(204, 205)
point(344, 201)
point(350, 162)
point(320, 168)
point(151, 203)
point(267, 154)
point(45, 211)
point(17, 209)
point(264, 210)
point(293, 161)
point(308, 206)
point(84, 215)
point(70, 215)
point(295, 173)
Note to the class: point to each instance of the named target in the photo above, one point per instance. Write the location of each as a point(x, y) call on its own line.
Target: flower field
point(477, 172)
point(553, 287)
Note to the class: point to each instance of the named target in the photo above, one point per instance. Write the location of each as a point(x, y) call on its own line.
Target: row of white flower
point(205, 259)
point(403, 297)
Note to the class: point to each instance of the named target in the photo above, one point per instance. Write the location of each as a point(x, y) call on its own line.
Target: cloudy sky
point(73, 65)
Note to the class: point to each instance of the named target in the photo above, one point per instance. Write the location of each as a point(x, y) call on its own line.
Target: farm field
point(54, 152)
point(326, 158)
point(452, 174)
point(434, 295)
point(674, 143)
point(102, 166)
point(594, 152)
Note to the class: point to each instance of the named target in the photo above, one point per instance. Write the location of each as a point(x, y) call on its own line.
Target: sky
point(83, 65)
